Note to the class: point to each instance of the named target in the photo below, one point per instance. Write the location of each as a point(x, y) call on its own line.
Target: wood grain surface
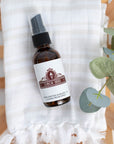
point(110, 110)
point(3, 125)
point(1, 52)
point(104, 1)
point(2, 82)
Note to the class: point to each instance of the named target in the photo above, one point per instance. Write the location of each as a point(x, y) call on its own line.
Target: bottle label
point(51, 80)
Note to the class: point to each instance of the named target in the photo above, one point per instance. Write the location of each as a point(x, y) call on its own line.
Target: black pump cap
point(40, 36)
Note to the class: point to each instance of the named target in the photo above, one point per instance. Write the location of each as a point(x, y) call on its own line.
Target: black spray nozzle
point(39, 34)
point(37, 25)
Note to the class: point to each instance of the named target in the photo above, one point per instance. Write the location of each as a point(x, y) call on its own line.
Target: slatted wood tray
point(109, 110)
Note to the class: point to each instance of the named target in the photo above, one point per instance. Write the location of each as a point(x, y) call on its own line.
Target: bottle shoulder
point(45, 54)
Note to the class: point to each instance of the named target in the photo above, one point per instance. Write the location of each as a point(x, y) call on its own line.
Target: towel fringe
point(53, 134)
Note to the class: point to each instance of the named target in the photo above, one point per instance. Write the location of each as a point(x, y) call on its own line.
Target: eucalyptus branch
point(104, 84)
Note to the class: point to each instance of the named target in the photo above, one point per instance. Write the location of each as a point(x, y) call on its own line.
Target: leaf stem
point(89, 104)
point(105, 84)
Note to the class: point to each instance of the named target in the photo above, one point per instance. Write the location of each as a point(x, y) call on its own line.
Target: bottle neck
point(41, 39)
point(44, 46)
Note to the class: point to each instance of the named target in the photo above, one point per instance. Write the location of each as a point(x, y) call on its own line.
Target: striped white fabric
point(75, 29)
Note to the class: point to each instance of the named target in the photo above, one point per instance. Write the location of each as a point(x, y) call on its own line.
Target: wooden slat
point(3, 125)
point(107, 91)
point(104, 1)
point(111, 23)
point(109, 137)
point(110, 10)
point(2, 82)
point(110, 116)
point(109, 110)
point(1, 52)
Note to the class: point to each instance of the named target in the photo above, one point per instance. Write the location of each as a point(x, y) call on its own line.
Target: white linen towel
point(75, 29)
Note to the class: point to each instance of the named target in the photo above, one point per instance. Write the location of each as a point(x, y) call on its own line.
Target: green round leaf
point(102, 67)
point(85, 104)
point(109, 31)
point(97, 100)
point(109, 52)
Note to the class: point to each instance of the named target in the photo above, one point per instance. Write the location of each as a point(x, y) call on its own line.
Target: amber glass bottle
point(48, 67)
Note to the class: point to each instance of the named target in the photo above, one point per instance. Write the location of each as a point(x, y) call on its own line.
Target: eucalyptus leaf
point(109, 31)
point(112, 43)
point(110, 85)
point(97, 99)
point(85, 104)
point(102, 67)
point(109, 53)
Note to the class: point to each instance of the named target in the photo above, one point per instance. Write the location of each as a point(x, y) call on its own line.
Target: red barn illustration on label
point(51, 79)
